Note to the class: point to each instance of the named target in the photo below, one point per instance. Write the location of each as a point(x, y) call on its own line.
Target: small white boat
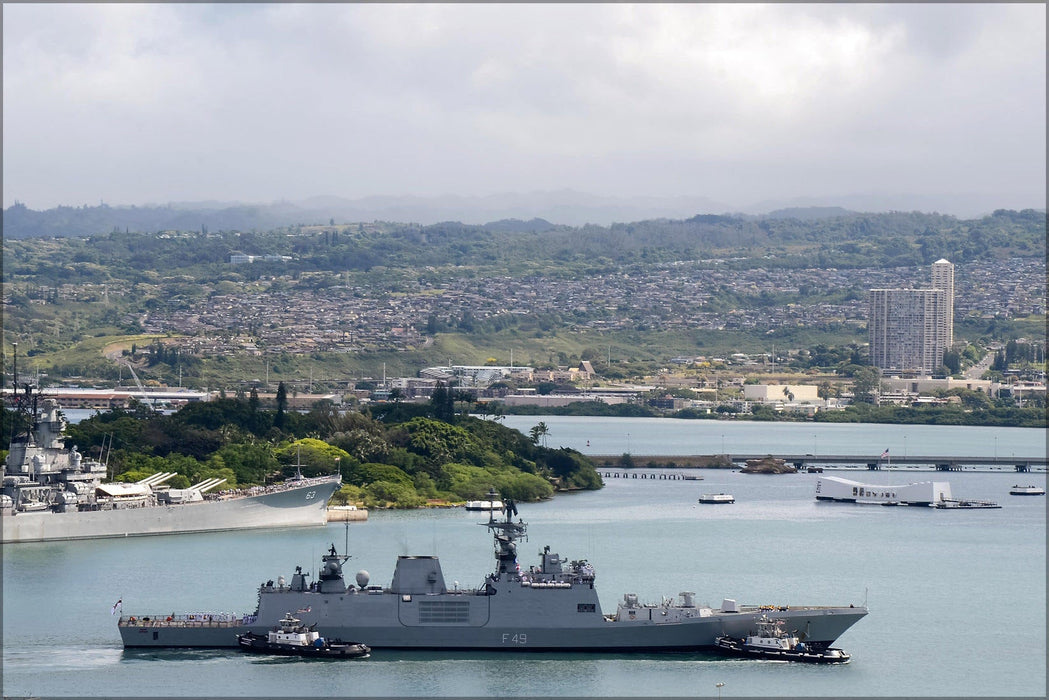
point(717, 498)
point(484, 505)
point(1018, 490)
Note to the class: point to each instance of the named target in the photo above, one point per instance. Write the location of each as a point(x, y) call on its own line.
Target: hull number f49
point(515, 638)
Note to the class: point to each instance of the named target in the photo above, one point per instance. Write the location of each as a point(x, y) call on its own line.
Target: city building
point(928, 385)
point(943, 278)
point(120, 397)
point(910, 329)
point(782, 393)
point(476, 375)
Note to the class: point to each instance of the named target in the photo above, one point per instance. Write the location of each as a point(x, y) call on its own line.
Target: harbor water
point(675, 436)
point(957, 598)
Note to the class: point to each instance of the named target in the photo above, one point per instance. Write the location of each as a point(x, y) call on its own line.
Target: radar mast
point(506, 533)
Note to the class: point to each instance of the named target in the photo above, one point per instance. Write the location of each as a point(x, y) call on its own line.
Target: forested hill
point(831, 238)
point(61, 222)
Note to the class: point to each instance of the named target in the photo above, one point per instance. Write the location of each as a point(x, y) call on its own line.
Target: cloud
point(158, 102)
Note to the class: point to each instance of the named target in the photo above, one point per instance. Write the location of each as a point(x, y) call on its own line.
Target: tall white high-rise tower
point(943, 278)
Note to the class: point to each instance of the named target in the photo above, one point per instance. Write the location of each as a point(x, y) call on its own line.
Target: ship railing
point(545, 584)
point(194, 620)
point(272, 488)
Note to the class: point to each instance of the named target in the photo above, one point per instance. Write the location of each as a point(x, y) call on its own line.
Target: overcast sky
point(140, 103)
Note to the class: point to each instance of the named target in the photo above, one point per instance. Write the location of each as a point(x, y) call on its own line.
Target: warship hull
point(550, 607)
point(385, 629)
point(293, 506)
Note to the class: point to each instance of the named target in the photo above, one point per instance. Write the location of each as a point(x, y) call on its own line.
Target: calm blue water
point(674, 436)
point(958, 599)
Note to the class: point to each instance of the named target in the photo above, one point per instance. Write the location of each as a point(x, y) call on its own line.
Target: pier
point(943, 463)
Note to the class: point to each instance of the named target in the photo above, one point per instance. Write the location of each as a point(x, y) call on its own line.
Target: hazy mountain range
point(565, 207)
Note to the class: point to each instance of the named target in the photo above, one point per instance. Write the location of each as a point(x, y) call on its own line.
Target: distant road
point(977, 370)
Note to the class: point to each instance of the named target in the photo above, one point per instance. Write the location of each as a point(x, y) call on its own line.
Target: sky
point(155, 103)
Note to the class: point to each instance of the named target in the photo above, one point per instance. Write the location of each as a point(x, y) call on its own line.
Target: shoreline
point(641, 462)
point(1014, 417)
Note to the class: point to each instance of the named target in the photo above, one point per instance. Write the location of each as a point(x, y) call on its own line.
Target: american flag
point(884, 454)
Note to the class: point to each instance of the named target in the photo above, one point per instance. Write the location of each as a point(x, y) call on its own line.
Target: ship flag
point(884, 454)
point(119, 605)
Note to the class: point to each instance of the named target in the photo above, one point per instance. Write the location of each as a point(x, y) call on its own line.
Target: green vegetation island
point(391, 456)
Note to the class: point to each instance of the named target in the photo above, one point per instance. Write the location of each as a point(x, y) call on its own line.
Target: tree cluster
point(423, 453)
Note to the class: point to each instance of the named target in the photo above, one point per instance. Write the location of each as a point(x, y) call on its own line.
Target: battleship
point(54, 493)
point(553, 607)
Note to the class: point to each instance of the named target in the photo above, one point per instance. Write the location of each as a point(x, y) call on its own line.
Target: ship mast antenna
point(506, 533)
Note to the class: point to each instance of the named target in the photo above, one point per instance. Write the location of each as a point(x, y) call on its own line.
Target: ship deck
point(188, 621)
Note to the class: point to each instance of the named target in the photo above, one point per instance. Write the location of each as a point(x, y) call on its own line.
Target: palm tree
point(538, 432)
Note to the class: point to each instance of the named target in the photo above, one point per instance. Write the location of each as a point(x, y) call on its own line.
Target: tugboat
point(292, 638)
point(774, 643)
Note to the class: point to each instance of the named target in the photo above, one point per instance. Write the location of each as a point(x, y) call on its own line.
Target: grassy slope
point(628, 349)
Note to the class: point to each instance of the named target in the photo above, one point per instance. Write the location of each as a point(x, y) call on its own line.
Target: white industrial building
point(782, 393)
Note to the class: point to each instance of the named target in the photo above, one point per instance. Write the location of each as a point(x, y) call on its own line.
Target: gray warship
point(54, 493)
point(553, 606)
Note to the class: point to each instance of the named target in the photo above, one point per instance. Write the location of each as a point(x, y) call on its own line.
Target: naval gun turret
point(330, 580)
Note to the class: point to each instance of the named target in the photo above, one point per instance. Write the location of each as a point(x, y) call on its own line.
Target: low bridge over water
point(802, 461)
